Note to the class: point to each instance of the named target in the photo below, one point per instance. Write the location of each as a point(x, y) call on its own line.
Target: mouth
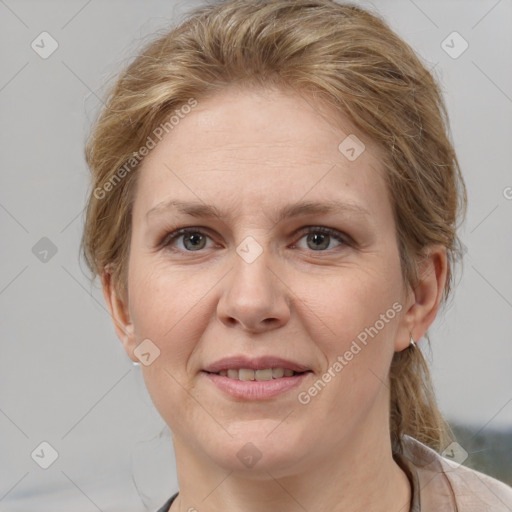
point(254, 378)
point(255, 385)
point(266, 374)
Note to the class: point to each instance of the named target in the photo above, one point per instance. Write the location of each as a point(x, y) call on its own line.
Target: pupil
point(319, 237)
point(195, 240)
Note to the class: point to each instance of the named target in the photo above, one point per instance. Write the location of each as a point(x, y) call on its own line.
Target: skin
point(250, 152)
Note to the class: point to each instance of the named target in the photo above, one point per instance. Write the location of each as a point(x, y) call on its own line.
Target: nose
point(254, 297)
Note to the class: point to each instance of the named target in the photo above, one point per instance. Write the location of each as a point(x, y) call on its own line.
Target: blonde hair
point(343, 55)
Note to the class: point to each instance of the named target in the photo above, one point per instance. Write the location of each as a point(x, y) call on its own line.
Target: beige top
point(442, 485)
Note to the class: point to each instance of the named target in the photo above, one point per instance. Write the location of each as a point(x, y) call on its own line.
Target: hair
point(343, 55)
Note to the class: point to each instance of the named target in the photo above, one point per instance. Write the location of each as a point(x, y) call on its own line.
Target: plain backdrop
point(65, 379)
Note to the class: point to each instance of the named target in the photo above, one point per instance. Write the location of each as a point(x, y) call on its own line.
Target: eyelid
point(341, 236)
point(173, 234)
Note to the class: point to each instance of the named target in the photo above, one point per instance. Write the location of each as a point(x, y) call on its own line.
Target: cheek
point(172, 308)
point(166, 305)
point(357, 326)
point(357, 316)
point(350, 301)
point(162, 299)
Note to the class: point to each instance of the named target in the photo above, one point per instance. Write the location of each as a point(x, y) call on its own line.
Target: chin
point(259, 449)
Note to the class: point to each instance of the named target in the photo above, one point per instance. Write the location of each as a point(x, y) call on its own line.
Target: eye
point(194, 239)
point(318, 238)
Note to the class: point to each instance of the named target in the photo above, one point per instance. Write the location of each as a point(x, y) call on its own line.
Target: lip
point(257, 363)
point(253, 389)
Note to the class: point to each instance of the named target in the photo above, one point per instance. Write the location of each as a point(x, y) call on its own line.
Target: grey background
point(64, 377)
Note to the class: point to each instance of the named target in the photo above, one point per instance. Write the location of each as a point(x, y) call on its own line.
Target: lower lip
point(254, 389)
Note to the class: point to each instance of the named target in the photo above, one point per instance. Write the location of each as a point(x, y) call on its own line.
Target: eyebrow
point(199, 209)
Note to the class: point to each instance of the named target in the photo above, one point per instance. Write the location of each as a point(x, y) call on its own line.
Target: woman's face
point(250, 282)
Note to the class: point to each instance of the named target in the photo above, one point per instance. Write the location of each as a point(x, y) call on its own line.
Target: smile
point(247, 374)
point(246, 384)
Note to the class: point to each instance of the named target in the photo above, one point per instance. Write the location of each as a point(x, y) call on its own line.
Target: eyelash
point(339, 236)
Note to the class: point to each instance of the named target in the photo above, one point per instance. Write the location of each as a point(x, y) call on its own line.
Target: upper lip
point(256, 363)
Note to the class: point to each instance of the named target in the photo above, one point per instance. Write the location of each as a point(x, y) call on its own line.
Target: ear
point(423, 302)
point(119, 311)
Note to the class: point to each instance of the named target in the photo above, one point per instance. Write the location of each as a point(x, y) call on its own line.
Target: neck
point(359, 473)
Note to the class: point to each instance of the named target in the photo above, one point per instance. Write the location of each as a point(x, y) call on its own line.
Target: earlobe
point(119, 313)
point(424, 300)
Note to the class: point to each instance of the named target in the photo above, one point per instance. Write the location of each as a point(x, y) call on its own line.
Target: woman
point(273, 215)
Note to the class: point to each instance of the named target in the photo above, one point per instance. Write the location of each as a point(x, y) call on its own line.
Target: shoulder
point(463, 489)
point(474, 489)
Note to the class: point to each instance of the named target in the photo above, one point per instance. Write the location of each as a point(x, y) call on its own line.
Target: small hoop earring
point(412, 343)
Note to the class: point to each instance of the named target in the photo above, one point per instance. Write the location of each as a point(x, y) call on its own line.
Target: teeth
point(263, 374)
point(245, 374)
point(277, 373)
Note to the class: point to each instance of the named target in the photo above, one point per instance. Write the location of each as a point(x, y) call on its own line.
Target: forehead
point(256, 148)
